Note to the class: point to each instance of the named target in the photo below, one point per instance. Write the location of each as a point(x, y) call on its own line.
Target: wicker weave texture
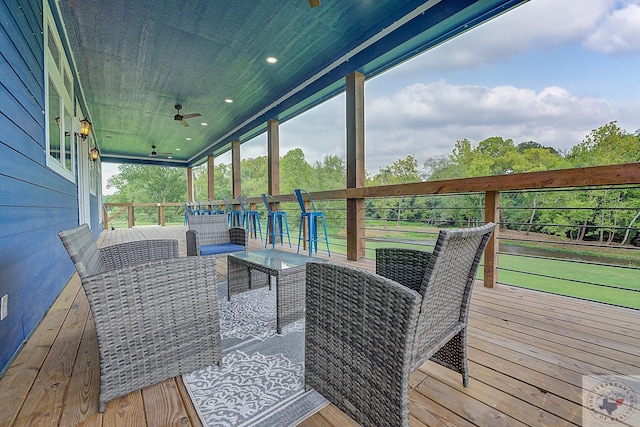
point(445, 280)
point(242, 278)
point(154, 320)
point(138, 252)
point(359, 332)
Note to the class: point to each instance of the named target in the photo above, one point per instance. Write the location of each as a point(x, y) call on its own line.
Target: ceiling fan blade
point(190, 116)
point(183, 123)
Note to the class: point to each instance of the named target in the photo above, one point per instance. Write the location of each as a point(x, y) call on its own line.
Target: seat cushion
point(221, 248)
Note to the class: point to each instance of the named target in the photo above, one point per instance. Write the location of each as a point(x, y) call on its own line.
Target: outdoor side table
point(289, 269)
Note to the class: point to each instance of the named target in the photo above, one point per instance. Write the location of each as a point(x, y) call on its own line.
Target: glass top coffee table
point(252, 270)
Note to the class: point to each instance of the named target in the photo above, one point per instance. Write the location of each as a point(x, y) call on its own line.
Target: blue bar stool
point(215, 208)
point(275, 219)
point(235, 216)
point(308, 211)
point(204, 209)
point(251, 219)
point(187, 211)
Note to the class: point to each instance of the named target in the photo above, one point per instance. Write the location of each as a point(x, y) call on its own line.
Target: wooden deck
point(527, 353)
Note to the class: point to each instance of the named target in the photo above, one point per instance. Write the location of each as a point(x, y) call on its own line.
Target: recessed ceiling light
point(177, 149)
point(228, 100)
point(169, 157)
point(204, 124)
point(272, 59)
point(188, 139)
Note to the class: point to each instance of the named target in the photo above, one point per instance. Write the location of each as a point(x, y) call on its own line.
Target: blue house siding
point(35, 202)
point(96, 226)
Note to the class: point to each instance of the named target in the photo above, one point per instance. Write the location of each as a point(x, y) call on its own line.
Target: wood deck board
point(527, 351)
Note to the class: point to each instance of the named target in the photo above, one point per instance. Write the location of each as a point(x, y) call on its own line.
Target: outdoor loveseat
point(211, 235)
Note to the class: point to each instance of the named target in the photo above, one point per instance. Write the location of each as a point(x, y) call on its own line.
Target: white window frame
point(52, 73)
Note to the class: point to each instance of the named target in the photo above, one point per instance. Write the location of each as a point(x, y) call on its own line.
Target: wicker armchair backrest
point(212, 229)
point(448, 281)
point(83, 250)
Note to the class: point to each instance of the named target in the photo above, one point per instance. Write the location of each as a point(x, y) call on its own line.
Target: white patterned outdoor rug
point(261, 381)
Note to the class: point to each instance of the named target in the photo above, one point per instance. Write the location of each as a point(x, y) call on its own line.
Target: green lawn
point(555, 276)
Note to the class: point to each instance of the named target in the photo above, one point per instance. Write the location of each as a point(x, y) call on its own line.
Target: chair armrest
point(239, 236)
point(193, 243)
point(154, 321)
point(405, 266)
point(138, 252)
point(358, 339)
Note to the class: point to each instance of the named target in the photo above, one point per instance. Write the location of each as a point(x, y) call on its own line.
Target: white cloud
point(538, 24)
point(108, 170)
point(618, 32)
point(427, 119)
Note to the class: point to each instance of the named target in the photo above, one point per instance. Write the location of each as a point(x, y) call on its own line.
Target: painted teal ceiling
point(136, 59)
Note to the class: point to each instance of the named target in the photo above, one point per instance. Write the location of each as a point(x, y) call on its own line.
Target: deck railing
point(573, 221)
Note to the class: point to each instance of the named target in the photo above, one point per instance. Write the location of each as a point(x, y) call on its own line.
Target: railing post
point(132, 216)
point(354, 90)
point(491, 214)
point(161, 216)
point(105, 218)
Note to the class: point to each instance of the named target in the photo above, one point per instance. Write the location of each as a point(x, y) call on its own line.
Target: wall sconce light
point(85, 128)
point(94, 154)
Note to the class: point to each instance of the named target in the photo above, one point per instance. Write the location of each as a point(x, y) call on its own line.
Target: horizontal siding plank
point(20, 193)
point(28, 93)
point(12, 138)
point(28, 44)
point(27, 15)
point(31, 11)
point(20, 117)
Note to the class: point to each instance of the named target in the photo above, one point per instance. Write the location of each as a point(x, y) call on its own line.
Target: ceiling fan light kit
point(154, 153)
point(183, 117)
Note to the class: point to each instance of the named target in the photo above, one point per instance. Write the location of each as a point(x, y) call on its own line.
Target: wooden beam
point(355, 164)
point(211, 194)
point(236, 169)
point(355, 130)
point(491, 214)
point(564, 178)
point(273, 153)
point(190, 184)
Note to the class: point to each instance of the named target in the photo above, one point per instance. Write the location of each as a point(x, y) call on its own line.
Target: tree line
point(606, 215)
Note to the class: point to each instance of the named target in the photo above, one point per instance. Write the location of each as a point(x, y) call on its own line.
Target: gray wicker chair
point(211, 235)
point(365, 332)
point(156, 315)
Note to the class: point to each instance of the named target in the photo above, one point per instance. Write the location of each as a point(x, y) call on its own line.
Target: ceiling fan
point(154, 153)
point(182, 117)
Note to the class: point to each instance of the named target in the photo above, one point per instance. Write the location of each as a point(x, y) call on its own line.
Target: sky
point(549, 71)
